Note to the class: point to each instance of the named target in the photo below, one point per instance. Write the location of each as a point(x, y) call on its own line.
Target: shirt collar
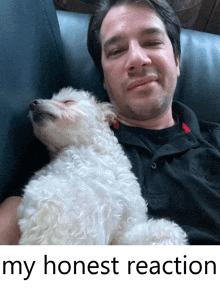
point(187, 117)
point(190, 126)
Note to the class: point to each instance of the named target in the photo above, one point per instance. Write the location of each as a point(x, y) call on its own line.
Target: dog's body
point(87, 194)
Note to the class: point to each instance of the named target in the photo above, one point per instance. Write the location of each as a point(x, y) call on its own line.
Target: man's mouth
point(142, 81)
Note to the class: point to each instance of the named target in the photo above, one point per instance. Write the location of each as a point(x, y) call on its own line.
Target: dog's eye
point(69, 102)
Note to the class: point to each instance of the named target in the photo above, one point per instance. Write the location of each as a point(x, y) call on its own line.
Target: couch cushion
point(80, 71)
point(199, 82)
point(30, 65)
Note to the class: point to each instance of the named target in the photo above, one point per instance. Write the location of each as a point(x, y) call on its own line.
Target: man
point(9, 229)
point(176, 158)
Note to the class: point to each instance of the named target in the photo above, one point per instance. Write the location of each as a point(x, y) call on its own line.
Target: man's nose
point(137, 58)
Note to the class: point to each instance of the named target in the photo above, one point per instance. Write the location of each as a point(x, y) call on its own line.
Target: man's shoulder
point(209, 131)
point(209, 126)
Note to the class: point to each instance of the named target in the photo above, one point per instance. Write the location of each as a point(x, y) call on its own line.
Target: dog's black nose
point(33, 104)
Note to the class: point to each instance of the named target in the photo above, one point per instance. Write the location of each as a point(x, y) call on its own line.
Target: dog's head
point(71, 117)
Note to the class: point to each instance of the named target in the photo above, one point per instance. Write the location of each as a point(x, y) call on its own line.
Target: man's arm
point(9, 229)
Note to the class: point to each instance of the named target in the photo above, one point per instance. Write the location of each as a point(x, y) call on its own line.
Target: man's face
point(140, 71)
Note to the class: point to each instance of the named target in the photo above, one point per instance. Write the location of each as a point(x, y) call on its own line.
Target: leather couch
point(43, 50)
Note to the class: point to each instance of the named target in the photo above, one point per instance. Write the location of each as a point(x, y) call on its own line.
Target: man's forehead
point(117, 21)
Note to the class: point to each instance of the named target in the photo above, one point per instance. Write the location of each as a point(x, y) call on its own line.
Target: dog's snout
point(34, 104)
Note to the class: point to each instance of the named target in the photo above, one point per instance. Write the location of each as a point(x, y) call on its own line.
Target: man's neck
point(163, 121)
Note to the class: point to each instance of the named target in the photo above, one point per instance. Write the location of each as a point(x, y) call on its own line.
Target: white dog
point(87, 194)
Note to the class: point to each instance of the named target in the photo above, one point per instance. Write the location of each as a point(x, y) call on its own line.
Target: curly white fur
point(87, 194)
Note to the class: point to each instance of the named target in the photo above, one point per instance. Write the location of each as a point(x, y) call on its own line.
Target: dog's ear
point(108, 112)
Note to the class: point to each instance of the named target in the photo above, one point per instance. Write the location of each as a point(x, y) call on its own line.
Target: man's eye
point(115, 52)
point(153, 43)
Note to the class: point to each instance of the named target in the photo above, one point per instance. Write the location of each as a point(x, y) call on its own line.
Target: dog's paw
point(155, 232)
point(165, 232)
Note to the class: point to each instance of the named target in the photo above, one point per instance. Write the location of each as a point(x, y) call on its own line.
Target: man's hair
point(160, 7)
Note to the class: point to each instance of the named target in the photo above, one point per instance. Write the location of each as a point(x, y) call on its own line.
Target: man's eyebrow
point(144, 31)
point(112, 40)
point(152, 31)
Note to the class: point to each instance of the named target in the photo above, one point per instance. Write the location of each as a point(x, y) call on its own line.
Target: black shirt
point(178, 169)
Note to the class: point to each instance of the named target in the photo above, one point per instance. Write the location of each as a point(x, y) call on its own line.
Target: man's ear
point(178, 66)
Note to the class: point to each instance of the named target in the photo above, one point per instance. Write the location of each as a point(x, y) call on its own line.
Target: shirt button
point(154, 165)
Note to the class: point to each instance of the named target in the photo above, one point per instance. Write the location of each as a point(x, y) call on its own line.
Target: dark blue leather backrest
point(30, 67)
point(199, 82)
point(80, 71)
point(198, 85)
